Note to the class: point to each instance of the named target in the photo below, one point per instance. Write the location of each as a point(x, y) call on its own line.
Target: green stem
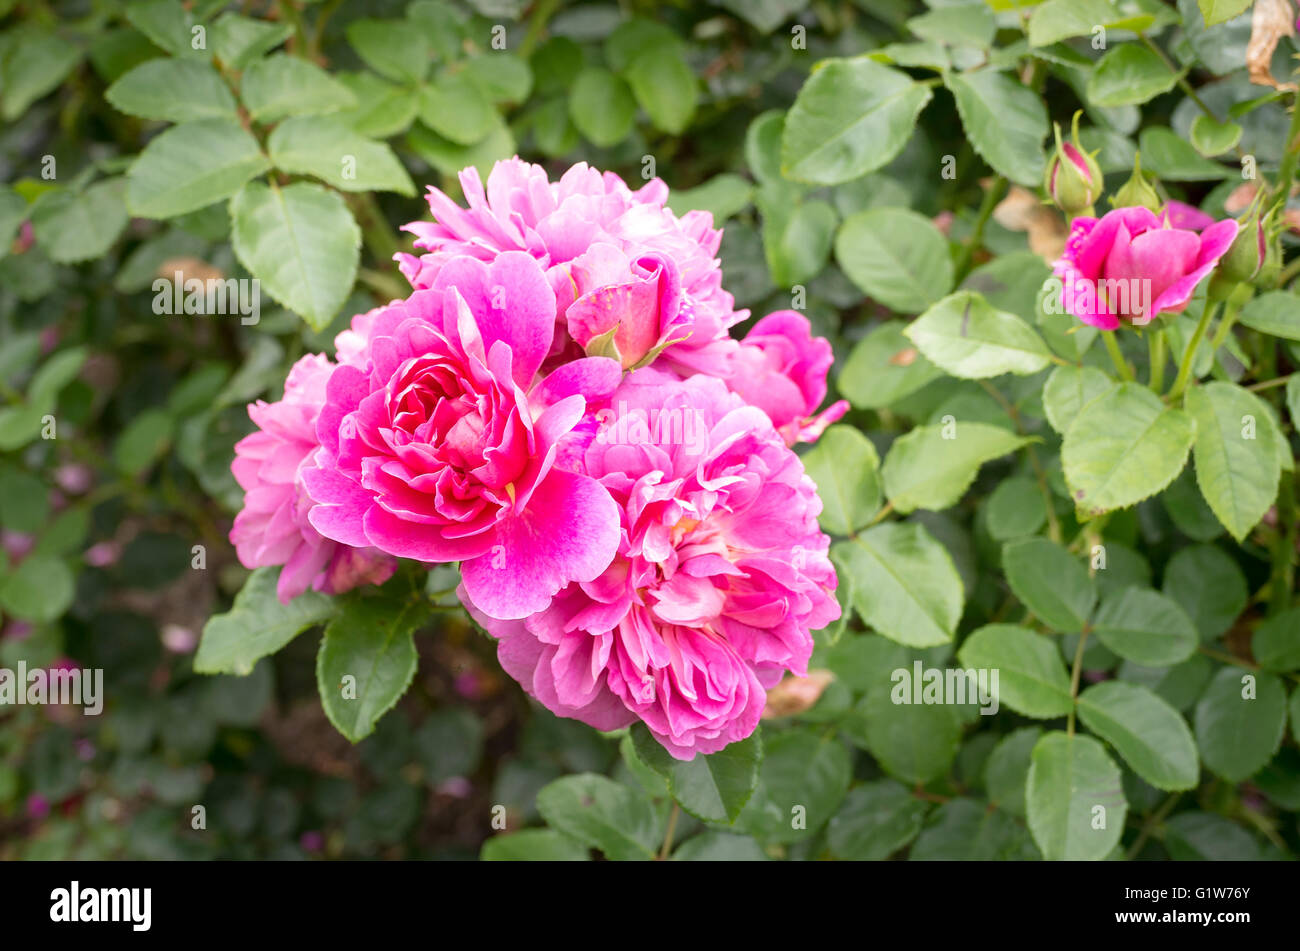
point(992, 195)
point(1112, 347)
point(1189, 356)
point(1075, 673)
point(1269, 384)
point(540, 16)
point(1282, 577)
point(1182, 79)
point(1156, 349)
point(667, 846)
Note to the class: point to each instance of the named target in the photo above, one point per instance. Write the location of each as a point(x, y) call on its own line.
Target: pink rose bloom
point(1159, 265)
point(590, 232)
point(437, 444)
point(272, 528)
point(1182, 215)
point(780, 367)
point(721, 574)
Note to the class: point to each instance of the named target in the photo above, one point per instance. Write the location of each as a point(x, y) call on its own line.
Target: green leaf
point(24, 501)
point(257, 625)
point(190, 166)
point(1239, 722)
point(449, 158)
point(367, 660)
point(876, 820)
point(1147, 732)
point(1212, 138)
point(722, 196)
point(1167, 156)
point(1219, 11)
point(896, 256)
point(884, 367)
point(846, 468)
point(713, 788)
point(1074, 798)
point(501, 76)
point(603, 814)
point(1129, 75)
point(957, 25)
point(1051, 582)
point(1005, 122)
point(1061, 19)
point(1275, 644)
point(13, 212)
point(1007, 768)
point(1145, 627)
point(1068, 390)
point(325, 147)
point(1237, 464)
point(971, 339)
point(456, 109)
point(1276, 313)
point(384, 109)
point(76, 226)
point(1180, 685)
point(36, 61)
point(1124, 446)
point(391, 48)
point(533, 845)
point(1206, 837)
point(963, 830)
point(905, 584)
point(1031, 675)
point(932, 466)
point(763, 148)
point(601, 105)
point(717, 846)
point(284, 85)
point(1206, 582)
point(301, 242)
point(796, 236)
point(851, 117)
point(665, 87)
point(143, 441)
point(40, 589)
point(238, 40)
point(1016, 508)
point(803, 774)
point(176, 90)
point(168, 24)
point(916, 742)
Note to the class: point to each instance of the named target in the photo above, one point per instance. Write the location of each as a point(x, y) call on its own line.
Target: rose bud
point(1137, 191)
point(1073, 178)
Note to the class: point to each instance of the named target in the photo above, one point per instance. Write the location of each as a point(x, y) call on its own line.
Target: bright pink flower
point(780, 367)
point(1132, 265)
point(272, 528)
point(590, 231)
point(1182, 215)
point(438, 444)
point(721, 574)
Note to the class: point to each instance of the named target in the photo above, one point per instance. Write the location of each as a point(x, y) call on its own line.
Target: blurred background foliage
point(100, 524)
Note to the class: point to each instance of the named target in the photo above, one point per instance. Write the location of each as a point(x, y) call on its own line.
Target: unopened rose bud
point(1073, 178)
point(1137, 191)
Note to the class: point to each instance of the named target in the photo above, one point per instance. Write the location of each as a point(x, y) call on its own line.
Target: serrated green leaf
point(1239, 722)
point(1145, 627)
point(1068, 390)
point(896, 256)
point(176, 90)
point(325, 147)
point(75, 226)
point(846, 468)
point(1005, 122)
point(191, 166)
point(603, 814)
point(932, 466)
point(1276, 313)
point(1129, 75)
point(257, 625)
point(713, 788)
point(284, 85)
point(1124, 446)
point(602, 106)
point(301, 242)
point(1147, 732)
point(1032, 679)
point(1074, 798)
point(971, 339)
point(1237, 464)
point(850, 118)
point(1051, 582)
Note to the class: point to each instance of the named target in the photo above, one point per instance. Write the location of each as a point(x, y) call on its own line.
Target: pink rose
point(1133, 265)
point(437, 444)
point(1182, 215)
point(592, 234)
point(721, 574)
point(780, 367)
point(272, 528)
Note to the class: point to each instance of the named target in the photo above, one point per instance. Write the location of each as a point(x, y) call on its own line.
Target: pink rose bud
point(1073, 178)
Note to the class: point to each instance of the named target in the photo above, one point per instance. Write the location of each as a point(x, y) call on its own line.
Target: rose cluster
point(559, 406)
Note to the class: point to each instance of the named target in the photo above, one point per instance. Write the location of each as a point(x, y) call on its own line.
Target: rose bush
point(708, 431)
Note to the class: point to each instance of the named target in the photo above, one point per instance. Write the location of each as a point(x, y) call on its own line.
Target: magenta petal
point(592, 377)
point(426, 543)
point(568, 532)
point(511, 300)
